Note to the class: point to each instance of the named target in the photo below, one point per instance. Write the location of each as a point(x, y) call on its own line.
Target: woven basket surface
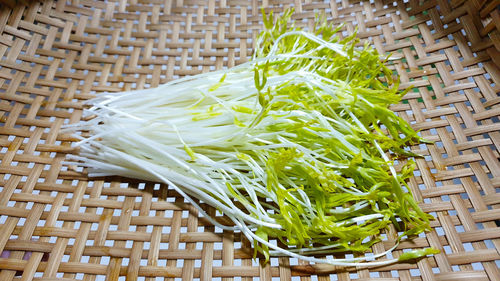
point(58, 224)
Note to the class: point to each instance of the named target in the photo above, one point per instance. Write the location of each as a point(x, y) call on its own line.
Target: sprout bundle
point(296, 145)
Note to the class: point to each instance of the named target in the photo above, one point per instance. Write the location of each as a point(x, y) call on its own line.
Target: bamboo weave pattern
point(57, 223)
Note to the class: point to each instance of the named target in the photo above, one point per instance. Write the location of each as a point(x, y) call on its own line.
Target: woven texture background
point(57, 223)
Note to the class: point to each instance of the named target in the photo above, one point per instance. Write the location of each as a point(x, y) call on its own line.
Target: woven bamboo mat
point(57, 223)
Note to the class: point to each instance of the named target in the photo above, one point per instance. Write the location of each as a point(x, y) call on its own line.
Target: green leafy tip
point(416, 254)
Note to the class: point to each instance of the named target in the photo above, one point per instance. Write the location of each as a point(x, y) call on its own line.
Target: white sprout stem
point(342, 262)
point(332, 46)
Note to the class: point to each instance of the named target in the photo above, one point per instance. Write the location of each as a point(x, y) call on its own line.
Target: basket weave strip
point(55, 222)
